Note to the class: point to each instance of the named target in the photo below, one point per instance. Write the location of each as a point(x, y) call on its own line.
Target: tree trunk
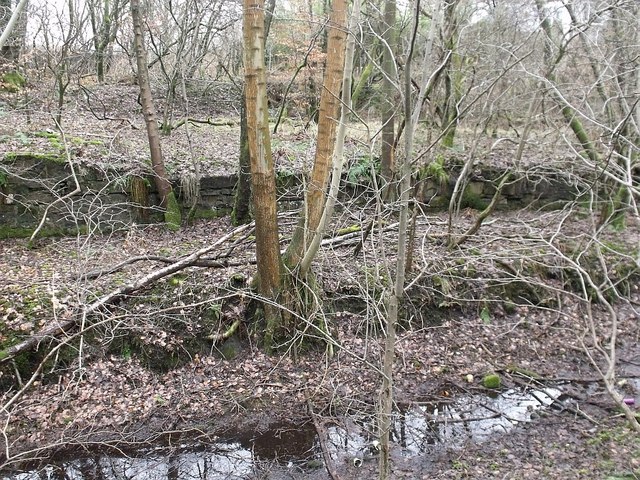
point(389, 93)
point(568, 112)
point(242, 198)
point(412, 114)
point(148, 109)
point(10, 26)
point(273, 284)
point(327, 121)
point(338, 162)
point(262, 167)
point(103, 29)
point(452, 76)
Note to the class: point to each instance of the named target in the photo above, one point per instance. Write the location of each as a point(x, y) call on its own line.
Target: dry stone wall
point(37, 185)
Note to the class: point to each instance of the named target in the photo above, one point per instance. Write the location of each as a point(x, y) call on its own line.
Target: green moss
point(491, 380)
point(472, 200)
point(15, 232)
point(208, 213)
point(176, 280)
point(47, 134)
point(35, 156)
point(350, 229)
point(436, 171)
point(25, 232)
point(173, 215)
point(12, 82)
point(485, 315)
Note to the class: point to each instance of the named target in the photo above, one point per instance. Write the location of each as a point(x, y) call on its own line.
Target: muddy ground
point(146, 376)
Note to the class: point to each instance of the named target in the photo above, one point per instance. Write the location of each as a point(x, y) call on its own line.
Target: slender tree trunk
point(389, 93)
point(148, 109)
point(397, 294)
point(102, 32)
point(452, 75)
point(329, 113)
point(568, 112)
point(262, 167)
point(11, 24)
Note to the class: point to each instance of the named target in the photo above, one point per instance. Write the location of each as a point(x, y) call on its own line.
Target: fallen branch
point(322, 439)
point(224, 335)
point(61, 327)
point(208, 121)
point(203, 262)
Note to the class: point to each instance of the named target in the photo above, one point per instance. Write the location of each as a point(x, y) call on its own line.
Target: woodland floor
point(146, 377)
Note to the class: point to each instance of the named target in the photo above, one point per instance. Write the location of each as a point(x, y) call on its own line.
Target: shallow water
point(418, 429)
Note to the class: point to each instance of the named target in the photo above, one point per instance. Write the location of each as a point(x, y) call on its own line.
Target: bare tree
point(105, 18)
point(262, 167)
point(167, 197)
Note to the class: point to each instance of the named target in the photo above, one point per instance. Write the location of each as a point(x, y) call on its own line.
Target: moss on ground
point(12, 82)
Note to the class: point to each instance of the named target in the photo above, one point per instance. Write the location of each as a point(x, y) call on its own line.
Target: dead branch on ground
point(64, 326)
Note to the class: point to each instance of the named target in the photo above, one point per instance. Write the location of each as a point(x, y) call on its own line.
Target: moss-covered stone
point(47, 134)
point(208, 213)
point(35, 156)
point(25, 232)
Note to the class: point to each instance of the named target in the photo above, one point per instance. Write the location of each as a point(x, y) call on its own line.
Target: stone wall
point(34, 185)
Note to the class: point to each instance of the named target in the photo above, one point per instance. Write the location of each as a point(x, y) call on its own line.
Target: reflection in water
point(420, 429)
point(469, 418)
point(229, 462)
point(417, 430)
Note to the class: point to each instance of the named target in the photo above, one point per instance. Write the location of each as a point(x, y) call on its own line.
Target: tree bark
point(329, 113)
point(262, 167)
point(242, 199)
point(148, 108)
point(338, 160)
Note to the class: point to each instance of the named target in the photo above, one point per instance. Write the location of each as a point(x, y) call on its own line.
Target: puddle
point(418, 429)
point(224, 461)
point(421, 429)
